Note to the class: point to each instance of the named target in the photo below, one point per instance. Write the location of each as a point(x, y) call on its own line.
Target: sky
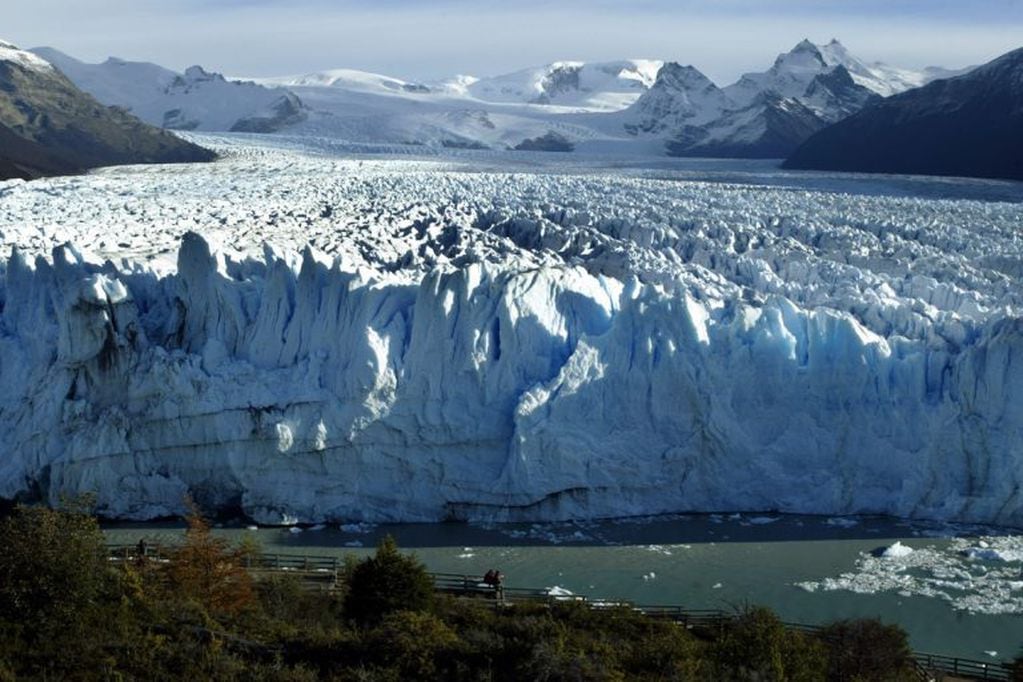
point(427, 39)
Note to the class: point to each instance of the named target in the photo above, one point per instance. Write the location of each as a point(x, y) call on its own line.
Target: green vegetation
point(68, 612)
point(387, 583)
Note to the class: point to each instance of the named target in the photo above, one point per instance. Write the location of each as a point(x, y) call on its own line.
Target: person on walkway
point(499, 585)
point(494, 578)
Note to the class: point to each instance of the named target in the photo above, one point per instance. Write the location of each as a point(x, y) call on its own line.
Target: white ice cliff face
point(510, 346)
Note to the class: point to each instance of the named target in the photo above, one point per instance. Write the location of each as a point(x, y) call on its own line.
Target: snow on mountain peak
point(794, 71)
point(194, 100)
point(596, 86)
point(11, 53)
point(197, 74)
point(681, 95)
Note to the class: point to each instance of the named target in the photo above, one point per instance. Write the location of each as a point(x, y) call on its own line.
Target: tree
point(53, 565)
point(57, 591)
point(208, 571)
point(385, 583)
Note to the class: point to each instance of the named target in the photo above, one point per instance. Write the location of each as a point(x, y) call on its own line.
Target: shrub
point(867, 650)
point(60, 604)
point(52, 568)
point(386, 583)
point(757, 646)
point(419, 645)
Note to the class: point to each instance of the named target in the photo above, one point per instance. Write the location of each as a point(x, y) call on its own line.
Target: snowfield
point(307, 338)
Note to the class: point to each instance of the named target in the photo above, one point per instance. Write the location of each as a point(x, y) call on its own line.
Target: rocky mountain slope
point(50, 127)
point(971, 125)
point(625, 106)
point(765, 114)
point(193, 100)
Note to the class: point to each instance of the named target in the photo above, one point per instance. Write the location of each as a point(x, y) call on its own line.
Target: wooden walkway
point(322, 573)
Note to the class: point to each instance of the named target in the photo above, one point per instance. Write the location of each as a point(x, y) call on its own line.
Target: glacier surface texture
point(409, 340)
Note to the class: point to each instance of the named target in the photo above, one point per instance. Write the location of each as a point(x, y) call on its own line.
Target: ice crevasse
point(315, 393)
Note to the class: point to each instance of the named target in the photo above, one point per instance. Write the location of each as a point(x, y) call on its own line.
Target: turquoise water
point(708, 561)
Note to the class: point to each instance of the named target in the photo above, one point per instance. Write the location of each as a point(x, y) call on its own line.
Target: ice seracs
point(414, 343)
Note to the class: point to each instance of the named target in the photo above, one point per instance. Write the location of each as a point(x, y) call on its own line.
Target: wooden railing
point(965, 667)
point(323, 572)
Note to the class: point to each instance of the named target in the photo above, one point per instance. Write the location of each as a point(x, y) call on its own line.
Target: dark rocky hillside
point(50, 127)
point(971, 125)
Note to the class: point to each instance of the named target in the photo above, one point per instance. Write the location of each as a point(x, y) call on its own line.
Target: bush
point(386, 583)
point(52, 569)
point(58, 595)
point(419, 645)
point(867, 650)
point(757, 646)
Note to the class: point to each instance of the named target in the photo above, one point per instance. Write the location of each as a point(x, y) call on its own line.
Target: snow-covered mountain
point(594, 86)
point(348, 79)
point(629, 106)
point(193, 100)
point(768, 127)
point(969, 125)
point(580, 86)
point(50, 127)
point(680, 96)
point(768, 113)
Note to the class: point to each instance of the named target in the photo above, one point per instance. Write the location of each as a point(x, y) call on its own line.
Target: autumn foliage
point(210, 572)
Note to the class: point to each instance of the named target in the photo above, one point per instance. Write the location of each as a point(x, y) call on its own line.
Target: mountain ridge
point(50, 127)
point(631, 105)
point(970, 125)
point(195, 99)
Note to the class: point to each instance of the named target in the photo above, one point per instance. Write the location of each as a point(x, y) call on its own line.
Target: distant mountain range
point(765, 114)
point(636, 105)
point(813, 91)
point(193, 100)
point(50, 127)
point(971, 125)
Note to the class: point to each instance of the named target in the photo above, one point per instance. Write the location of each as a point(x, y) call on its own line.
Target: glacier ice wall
point(495, 345)
point(318, 394)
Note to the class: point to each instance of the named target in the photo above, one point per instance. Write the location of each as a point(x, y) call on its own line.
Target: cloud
point(420, 39)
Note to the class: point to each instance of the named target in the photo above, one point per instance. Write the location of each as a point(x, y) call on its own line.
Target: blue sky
point(425, 39)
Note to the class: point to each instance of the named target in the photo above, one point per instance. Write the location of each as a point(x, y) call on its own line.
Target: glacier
point(299, 337)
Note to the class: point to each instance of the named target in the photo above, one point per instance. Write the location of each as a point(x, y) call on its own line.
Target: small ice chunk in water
point(896, 551)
